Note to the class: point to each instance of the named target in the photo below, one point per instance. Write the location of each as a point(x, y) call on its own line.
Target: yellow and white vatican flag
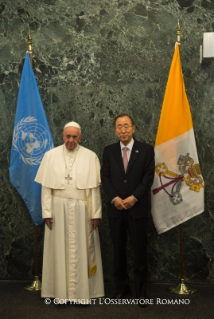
point(178, 188)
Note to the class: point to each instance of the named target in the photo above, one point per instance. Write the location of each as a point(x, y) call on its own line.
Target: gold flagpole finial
point(30, 47)
point(178, 32)
point(29, 42)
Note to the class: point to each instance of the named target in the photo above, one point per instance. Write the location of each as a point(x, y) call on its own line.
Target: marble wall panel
point(94, 60)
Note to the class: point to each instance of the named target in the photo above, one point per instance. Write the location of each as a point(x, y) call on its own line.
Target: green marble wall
point(94, 60)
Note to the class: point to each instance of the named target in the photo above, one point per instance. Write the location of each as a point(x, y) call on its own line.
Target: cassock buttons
point(125, 181)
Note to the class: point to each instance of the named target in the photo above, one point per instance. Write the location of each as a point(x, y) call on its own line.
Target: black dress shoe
point(121, 294)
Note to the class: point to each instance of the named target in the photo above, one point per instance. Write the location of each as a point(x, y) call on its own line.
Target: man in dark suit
point(127, 174)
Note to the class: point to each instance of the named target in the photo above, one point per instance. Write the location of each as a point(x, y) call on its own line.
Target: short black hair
point(122, 115)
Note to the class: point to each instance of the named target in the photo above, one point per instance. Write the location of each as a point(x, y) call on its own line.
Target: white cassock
point(71, 196)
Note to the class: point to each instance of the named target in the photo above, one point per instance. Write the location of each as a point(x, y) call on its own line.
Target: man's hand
point(95, 223)
point(48, 222)
point(129, 202)
point(119, 203)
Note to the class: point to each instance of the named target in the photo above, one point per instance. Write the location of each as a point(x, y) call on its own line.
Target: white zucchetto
point(74, 124)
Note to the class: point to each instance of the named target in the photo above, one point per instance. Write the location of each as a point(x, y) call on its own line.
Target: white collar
point(129, 146)
point(70, 152)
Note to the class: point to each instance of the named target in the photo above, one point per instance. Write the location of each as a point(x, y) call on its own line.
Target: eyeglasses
point(73, 136)
point(125, 126)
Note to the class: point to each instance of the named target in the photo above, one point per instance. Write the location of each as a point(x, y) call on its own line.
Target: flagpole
point(182, 288)
point(36, 284)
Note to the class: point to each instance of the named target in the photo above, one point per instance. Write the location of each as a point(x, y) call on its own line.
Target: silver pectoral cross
point(69, 177)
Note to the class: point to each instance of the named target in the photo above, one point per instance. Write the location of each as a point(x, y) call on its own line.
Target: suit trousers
point(137, 228)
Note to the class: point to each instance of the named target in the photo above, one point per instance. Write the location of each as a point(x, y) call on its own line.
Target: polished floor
point(16, 302)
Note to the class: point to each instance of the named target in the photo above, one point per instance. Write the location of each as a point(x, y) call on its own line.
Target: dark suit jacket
point(137, 181)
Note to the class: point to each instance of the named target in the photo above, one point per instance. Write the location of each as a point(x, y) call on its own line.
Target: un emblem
point(31, 140)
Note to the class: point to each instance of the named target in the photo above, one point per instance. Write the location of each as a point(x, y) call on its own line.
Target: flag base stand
point(35, 286)
point(182, 289)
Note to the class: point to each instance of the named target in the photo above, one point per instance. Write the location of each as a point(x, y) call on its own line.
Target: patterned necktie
point(125, 158)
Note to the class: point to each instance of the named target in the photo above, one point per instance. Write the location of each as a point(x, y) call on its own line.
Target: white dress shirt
point(129, 148)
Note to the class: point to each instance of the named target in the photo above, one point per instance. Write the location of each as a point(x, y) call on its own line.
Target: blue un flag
point(31, 140)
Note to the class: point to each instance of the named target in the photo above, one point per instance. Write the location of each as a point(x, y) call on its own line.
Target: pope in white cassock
point(71, 207)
